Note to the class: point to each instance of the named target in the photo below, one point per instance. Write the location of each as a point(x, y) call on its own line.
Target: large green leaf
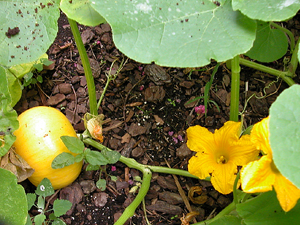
point(177, 33)
point(13, 201)
point(82, 12)
point(267, 10)
point(298, 54)
point(269, 45)
point(285, 133)
point(8, 116)
point(227, 220)
point(33, 26)
point(265, 210)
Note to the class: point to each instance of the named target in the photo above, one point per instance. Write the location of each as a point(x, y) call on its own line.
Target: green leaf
point(14, 86)
point(113, 178)
point(92, 167)
point(46, 62)
point(82, 12)
point(58, 222)
point(28, 221)
point(8, 116)
point(79, 157)
point(111, 156)
point(38, 66)
point(73, 144)
point(39, 219)
point(13, 202)
point(39, 78)
point(265, 210)
point(228, 220)
point(45, 188)
point(62, 160)
point(27, 78)
point(34, 25)
point(101, 184)
point(267, 10)
point(177, 33)
point(284, 129)
point(52, 216)
point(61, 206)
point(96, 158)
point(31, 197)
point(298, 54)
point(269, 45)
point(41, 203)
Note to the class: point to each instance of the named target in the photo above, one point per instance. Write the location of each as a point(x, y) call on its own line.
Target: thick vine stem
point(281, 74)
point(235, 89)
point(129, 211)
point(86, 66)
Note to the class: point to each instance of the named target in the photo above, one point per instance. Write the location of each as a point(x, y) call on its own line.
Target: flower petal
point(199, 139)
point(228, 133)
point(258, 176)
point(201, 165)
point(243, 151)
point(287, 193)
point(260, 136)
point(223, 177)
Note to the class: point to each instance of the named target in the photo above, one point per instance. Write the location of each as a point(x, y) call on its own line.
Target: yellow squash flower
point(219, 154)
point(262, 175)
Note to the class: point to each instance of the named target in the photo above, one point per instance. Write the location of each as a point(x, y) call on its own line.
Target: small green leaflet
point(61, 206)
point(73, 144)
point(101, 184)
point(44, 188)
point(62, 160)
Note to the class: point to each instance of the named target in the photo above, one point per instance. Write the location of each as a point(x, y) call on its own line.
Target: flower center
point(221, 160)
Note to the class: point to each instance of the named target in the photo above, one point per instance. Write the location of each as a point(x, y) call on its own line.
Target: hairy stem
point(282, 75)
point(86, 66)
point(129, 211)
point(235, 89)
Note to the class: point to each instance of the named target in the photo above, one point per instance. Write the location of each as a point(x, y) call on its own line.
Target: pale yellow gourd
point(38, 143)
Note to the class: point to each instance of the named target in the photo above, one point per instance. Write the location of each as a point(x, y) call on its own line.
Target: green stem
point(224, 212)
point(132, 163)
point(235, 89)
point(103, 92)
point(282, 75)
point(86, 66)
point(289, 33)
point(160, 169)
point(129, 211)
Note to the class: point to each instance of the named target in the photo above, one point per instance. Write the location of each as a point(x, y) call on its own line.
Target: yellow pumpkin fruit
point(38, 143)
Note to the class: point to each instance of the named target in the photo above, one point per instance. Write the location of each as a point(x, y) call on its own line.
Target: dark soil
point(148, 115)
